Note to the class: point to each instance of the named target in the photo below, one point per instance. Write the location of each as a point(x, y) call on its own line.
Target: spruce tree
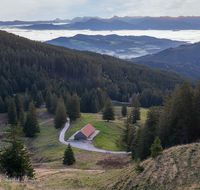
point(108, 111)
point(15, 160)
point(39, 99)
point(12, 113)
point(61, 114)
point(124, 110)
point(69, 158)
point(22, 116)
point(73, 107)
point(31, 126)
point(138, 167)
point(156, 148)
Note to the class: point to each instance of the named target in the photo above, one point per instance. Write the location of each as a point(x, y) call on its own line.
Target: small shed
point(85, 132)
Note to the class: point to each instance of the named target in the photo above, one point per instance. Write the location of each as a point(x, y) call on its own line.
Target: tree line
point(175, 123)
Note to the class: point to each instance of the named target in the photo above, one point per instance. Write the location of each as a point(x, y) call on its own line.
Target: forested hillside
point(183, 59)
point(35, 69)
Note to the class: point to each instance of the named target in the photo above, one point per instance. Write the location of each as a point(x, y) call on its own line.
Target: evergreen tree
point(124, 110)
point(136, 110)
point(108, 111)
point(2, 106)
point(15, 159)
point(39, 99)
point(18, 103)
point(69, 158)
point(12, 113)
point(138, 167)
point(54, 101)
point(61, 114)
point(156, 148)
point(48, 100)
point(73, 107)
point(31, 126)
point(22, 116)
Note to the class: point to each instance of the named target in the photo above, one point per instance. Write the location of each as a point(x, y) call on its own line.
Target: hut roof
point(88, 130)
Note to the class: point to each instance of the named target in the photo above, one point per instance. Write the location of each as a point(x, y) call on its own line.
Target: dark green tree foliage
point(15, 160)
point(18, 103)
point(27, 66)
point(12, 113)
point(124, 110)
point(127, 136)
point(22, 118)
point(61, 114)
point(197, 110)
point(39, 99)
point(108, 111)
point(93, 101)
point(31, 126)
point(73, 107)
point(48, 100)
point(2, 106)
point(156, 148)
point(69, 157)
point(138, 167)
point(54, 101)
point(178, 123)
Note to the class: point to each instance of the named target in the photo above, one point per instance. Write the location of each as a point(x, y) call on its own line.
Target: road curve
point(84, 144)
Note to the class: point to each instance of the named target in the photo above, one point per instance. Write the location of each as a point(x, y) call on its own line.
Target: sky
point(30, 10)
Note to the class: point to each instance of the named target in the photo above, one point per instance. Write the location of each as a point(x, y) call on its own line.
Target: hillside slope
point(124, 47)
point(184, 59)
point(31, 66)
point(177, 168)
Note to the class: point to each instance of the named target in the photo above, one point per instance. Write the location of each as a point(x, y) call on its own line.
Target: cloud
point(51, 9)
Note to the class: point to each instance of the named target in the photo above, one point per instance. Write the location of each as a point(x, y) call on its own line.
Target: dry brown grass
point(177, 168)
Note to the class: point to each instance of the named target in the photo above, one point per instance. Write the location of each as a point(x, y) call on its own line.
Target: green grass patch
point(109, 131)
point(46, 145)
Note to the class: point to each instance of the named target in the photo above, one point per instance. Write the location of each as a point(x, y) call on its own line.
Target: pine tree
point(73, 107)
point(22, 116)
point(31, 126)
point(12, 113)
point(138, 167)
point(2, 106)
point(61, 114)
point(124, 110)
point(156, 148)
point(48, 100)
point(69, 158)
point(108, 111)
point(18, 103)
point(136, 108)
point(39, 99)
point(15, 160)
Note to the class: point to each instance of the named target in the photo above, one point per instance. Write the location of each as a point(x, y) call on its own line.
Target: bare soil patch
point(112, 162)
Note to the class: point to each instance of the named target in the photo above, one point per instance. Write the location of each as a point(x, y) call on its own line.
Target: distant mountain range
point(114, 23)
point(125, 47)
point(184, 59)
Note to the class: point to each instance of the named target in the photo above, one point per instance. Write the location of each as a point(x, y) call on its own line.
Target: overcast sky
point(68, 9)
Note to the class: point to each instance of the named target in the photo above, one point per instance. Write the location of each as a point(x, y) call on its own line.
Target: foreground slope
point(177, 168)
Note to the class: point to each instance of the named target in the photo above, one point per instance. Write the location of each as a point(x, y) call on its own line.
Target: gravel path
point(84, 144)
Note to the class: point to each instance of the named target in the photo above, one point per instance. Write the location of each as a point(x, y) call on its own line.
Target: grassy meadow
point(177, 168)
